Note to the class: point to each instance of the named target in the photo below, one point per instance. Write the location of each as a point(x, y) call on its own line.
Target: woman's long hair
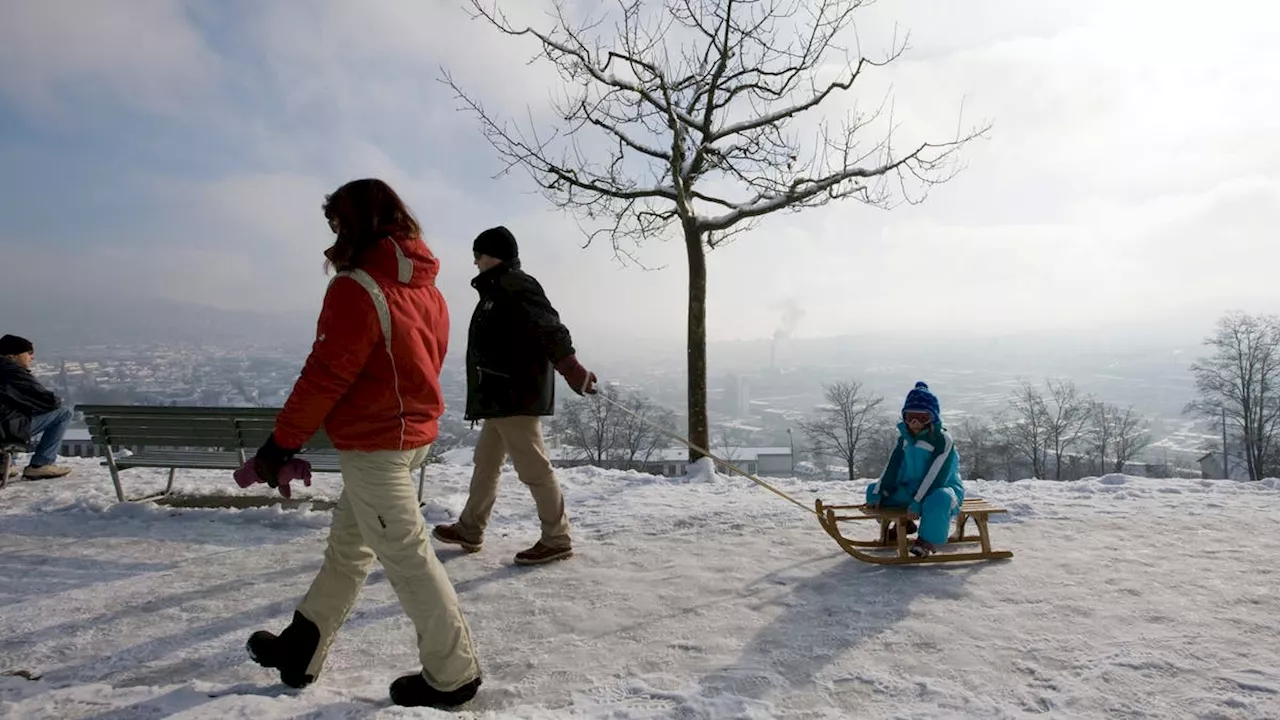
point(362, 212)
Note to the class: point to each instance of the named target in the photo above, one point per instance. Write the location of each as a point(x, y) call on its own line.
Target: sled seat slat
point(971, 506)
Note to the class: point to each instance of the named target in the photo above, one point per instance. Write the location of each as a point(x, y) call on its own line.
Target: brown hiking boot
point(452, 535)
point(45, 472)
point(541, 553)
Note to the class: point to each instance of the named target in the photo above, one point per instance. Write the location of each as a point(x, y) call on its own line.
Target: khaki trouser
point(521, 437)
point(377, 516)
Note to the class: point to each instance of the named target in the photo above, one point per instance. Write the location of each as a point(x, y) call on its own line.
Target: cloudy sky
point(181, 150)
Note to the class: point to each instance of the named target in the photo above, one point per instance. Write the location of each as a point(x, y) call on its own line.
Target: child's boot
point(922, 548)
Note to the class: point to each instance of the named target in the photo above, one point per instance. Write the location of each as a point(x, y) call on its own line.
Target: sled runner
point(975, 509)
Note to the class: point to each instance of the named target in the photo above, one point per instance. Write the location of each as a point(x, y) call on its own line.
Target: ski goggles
point(917, 417)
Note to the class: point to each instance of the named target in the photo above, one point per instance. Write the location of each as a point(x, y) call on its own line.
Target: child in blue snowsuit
point(923, 474)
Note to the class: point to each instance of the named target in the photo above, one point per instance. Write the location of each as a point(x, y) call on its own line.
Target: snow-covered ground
point(687, 598)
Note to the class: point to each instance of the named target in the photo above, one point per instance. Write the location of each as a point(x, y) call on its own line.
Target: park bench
point(976, 509)
point(194, 438)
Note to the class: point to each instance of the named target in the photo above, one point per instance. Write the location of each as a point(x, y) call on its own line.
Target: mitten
point(270, 459)
point(582, 381)
point(295, 469)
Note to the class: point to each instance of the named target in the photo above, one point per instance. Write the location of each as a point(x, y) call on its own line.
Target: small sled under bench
point(976, 509)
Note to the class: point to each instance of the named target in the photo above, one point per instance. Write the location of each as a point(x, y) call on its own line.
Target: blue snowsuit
point(923, 475)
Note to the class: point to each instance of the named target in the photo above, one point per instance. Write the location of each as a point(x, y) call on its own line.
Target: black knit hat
point(14, 345)
point(497, 242)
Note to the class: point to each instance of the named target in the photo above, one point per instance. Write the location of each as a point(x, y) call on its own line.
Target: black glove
point(270, 458)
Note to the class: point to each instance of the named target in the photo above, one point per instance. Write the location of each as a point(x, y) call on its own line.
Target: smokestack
point(791, 314)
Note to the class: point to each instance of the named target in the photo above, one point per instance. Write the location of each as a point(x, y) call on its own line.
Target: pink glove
point(294, 469)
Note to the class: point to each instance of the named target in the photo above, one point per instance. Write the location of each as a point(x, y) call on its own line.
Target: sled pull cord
point(689, 444)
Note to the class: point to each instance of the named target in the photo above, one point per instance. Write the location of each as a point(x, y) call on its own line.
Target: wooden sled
point(975, 508)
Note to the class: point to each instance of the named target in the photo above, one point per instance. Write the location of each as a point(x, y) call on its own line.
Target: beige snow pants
point(377, 516)
point(521, 437)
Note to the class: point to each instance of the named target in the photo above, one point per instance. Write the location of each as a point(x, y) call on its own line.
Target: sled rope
point(689, 444)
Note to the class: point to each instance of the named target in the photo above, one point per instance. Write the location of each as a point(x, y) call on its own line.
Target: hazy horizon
point(181, 154)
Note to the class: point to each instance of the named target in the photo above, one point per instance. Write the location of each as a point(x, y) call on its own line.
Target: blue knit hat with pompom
point(921, 399)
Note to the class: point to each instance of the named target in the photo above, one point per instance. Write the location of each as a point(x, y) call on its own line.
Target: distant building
point(77, 443)
point(1211, 467)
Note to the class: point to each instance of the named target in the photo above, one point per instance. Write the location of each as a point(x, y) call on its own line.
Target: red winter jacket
point(370, 394)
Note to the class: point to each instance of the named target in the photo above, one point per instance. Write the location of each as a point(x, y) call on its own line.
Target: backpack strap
point(379, 300)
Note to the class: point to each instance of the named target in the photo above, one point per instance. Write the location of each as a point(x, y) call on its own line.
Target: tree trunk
point(699, 427)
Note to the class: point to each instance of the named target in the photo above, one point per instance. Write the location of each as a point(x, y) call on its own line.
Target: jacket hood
point(404, 260)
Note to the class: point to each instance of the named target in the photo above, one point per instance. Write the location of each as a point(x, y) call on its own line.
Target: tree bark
point(699, 427)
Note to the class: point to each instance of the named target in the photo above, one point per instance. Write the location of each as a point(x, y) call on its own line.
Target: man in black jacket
point(27, 409)
point(515, 345)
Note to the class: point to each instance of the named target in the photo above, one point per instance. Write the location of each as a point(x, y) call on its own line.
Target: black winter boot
point(908, 525)
point(413, 691)
point(290, 652)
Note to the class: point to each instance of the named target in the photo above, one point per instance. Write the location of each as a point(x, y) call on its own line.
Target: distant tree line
point(1057, 432)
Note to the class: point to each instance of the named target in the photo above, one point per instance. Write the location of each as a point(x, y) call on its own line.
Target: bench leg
point(115, 473)
point(169, 487)
point(981, 521)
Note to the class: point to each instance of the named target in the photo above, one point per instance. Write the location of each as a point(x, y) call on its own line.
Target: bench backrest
point(231, 428)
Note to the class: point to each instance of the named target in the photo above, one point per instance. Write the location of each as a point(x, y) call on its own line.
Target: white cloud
point(1131, 171)
point(141, 53)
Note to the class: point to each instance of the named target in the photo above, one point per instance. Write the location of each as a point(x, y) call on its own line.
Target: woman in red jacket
point(373, 381)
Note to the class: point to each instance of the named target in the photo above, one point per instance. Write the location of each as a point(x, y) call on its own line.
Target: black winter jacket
point(513, 344)
point(22, 397)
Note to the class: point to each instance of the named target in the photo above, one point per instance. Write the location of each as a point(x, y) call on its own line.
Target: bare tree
point(877, 445)
point(730, 441)
point(842, 423)
point(589, 427)
point(1101, 433)
point(1132, 436)
point(1067, 412)
point(693, 107)
point(1029, 428)
point(635, 433)
point(978, 444)
point(1240, 384)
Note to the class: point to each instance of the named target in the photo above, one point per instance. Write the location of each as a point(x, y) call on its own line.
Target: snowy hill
point(694, 599)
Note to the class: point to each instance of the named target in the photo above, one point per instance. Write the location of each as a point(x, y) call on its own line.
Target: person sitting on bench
point(28, 409)
point(923, 474)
